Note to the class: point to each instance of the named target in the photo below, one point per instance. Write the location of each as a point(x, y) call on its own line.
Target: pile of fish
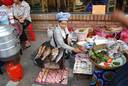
point(49, 53)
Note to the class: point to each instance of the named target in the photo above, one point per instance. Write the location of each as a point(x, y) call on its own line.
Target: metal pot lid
point(5, 30)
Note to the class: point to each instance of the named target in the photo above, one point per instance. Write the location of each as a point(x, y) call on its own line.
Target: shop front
point(43, 12)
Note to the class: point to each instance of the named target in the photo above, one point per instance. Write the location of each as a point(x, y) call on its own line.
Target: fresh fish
point(46, 53)
point(54, 54)
point(42, 50)
point(59, 56)
point(39, 52)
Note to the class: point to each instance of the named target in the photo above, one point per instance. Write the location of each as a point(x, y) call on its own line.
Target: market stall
point(103, 50)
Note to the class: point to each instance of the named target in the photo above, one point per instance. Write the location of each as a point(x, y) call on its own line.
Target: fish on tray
point(54, 53)
point(46, 53)
point(59, 56)
point(40, 51)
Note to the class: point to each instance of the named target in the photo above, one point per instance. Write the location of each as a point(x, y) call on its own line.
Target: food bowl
point(116, 62)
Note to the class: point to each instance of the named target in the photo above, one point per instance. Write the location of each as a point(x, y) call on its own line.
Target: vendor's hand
point(21, 21)
point(117, 15)
point(77, 50)
point(18, 18)
point(82, 48)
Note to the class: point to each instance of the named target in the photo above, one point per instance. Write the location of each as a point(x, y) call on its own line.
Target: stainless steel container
point(9, 42)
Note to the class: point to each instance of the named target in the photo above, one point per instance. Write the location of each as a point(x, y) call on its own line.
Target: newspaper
point(82, 64)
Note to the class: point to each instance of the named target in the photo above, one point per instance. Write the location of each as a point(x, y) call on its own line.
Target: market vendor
point(60, 38)
point(21, 12)
point(61, 33)
point(6, 15)
point(120, 17)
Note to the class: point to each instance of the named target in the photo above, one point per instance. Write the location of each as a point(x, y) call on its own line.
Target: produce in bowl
point(102, 60)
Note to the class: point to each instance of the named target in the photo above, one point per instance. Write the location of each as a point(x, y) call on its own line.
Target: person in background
point(120, 17)
point(21, 11)
point(6, 15)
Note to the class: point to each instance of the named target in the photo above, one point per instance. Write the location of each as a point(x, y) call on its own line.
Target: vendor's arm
point(59, 40)
point(120, 16)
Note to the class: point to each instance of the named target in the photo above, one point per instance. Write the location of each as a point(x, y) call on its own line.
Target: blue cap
point(63, 16)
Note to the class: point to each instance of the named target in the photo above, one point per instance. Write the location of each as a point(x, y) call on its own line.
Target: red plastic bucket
point(15, 71)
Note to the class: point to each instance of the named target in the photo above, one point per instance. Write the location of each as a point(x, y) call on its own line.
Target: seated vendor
point(21, 12)
point(60, 39)
point(60, 33)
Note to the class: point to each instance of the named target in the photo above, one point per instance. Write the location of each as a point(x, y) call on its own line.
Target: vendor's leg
point(121, 77)
point(24, 40)
point(23, 36)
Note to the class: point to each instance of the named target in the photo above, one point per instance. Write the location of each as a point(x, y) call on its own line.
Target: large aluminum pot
point(9, 42)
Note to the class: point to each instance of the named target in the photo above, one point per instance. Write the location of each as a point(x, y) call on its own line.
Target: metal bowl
point(108, 68)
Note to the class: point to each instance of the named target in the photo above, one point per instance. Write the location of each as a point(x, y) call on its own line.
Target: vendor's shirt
point(22, 10)
point(59, 35)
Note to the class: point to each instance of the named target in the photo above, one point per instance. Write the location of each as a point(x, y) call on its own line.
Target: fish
point(54, 53)
point(46, 53)
point(42, 50)
point(59, 56)
point(38, 53)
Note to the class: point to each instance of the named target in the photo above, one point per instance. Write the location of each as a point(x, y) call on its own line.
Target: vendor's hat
point(63, 16)
point(7, 2)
